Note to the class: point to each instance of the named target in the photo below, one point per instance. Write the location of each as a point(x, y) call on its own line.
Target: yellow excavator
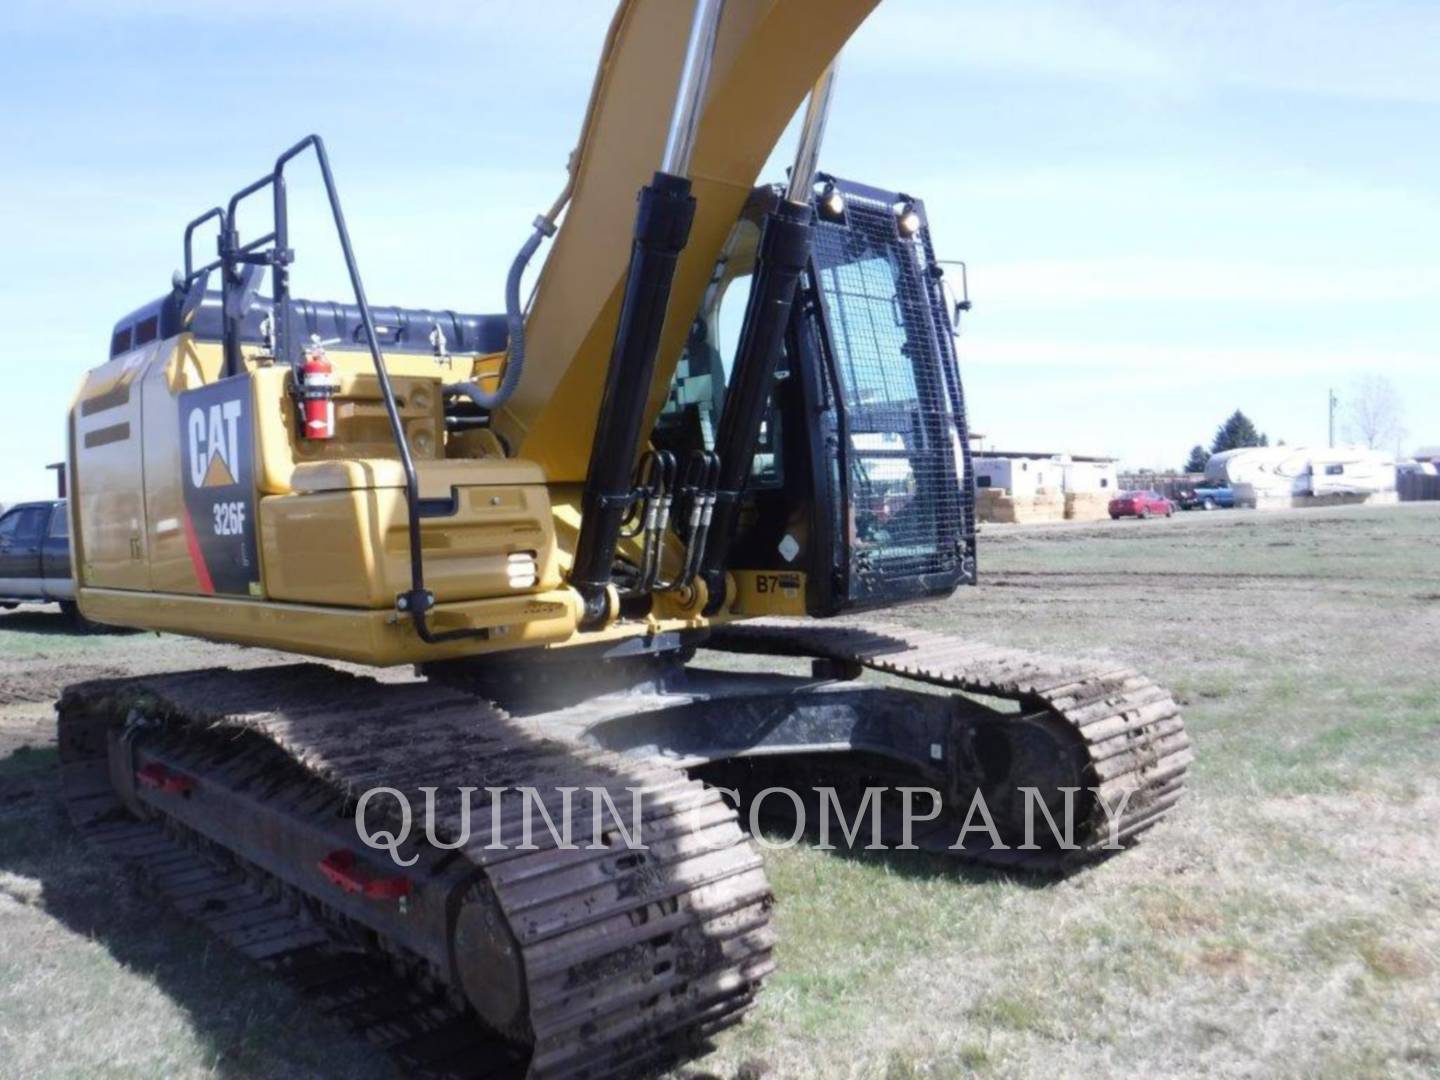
point(724, 413)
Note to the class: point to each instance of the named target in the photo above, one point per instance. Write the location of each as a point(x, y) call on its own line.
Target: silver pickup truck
point(35, 556)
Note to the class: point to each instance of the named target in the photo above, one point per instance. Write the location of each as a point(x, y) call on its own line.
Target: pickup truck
point(1208, 498)
point(35, 557)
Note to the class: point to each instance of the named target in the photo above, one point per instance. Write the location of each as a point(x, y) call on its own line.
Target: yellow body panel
point(110, 501)
point(362, 430)
point(352, 547)
point(331, 516)
point(363, 636)
point(174, 369)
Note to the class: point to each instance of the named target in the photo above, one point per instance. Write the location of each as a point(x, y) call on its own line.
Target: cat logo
point(214, 443)
point(217, 470)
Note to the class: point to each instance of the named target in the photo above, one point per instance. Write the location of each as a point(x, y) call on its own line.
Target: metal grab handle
point(418, 600)
point(190, 272)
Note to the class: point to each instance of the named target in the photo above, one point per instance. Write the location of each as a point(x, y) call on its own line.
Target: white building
point(1090, 476)
point(1023, 475)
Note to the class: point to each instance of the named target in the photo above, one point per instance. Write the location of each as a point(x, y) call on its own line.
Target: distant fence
point(1168, 484)
point(1415, 487)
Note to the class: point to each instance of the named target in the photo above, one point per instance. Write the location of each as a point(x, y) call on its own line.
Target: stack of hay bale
point(1041, 487)
point(1087, 505)
point(999, 505)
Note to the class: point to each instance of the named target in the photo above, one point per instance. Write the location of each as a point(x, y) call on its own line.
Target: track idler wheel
point(488, 961)
point(1015, 761)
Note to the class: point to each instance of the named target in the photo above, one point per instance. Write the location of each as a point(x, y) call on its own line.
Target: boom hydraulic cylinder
point(662, 227)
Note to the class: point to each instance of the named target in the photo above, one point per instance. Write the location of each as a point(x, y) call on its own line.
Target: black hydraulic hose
point(515, 324)
point(470, 392)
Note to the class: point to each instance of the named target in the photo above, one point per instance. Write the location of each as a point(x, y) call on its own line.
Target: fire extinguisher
point(318, 395)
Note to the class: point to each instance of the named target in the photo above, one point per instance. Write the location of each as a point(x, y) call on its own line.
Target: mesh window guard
point(909, 509)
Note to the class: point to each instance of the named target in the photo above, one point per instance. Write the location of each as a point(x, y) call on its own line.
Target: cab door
point(55, 556)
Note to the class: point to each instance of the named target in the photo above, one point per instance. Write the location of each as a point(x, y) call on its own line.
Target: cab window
point(59, 524)
point(697, 392)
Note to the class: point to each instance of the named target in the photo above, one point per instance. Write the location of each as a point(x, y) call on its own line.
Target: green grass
point(1285, 922)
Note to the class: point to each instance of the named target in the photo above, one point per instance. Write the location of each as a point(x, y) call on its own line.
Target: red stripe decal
point(197, 558)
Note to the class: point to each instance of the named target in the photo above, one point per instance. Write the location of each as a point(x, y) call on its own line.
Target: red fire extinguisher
point(318, 395)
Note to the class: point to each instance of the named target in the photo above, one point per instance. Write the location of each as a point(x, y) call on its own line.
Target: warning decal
point(217, 453)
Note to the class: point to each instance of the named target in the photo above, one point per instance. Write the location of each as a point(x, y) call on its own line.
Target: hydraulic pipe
point(514, 324)
point(812, 134)
point(694, 78)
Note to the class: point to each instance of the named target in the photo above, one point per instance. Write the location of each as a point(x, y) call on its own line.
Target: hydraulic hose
point(515, 325)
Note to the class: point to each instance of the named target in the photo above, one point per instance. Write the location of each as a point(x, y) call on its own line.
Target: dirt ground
point(1284, 922)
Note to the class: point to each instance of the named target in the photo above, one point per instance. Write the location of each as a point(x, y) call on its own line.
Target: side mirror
point(960, 301)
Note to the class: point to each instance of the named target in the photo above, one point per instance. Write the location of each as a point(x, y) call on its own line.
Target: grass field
point(1284, 922)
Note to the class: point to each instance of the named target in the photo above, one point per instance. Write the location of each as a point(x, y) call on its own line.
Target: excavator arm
point(768, 55)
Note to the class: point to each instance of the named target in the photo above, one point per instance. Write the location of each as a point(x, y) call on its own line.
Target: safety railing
point(241, 266)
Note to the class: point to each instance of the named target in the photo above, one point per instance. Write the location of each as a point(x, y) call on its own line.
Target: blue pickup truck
point(1207, 498)
point(35, 557)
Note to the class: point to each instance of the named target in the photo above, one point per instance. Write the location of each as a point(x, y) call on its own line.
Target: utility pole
point(1333, 402)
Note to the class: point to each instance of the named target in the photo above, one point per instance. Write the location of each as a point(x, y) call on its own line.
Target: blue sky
point(1169, 210)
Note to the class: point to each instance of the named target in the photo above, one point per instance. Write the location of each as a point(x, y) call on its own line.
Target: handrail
point(418, 600)
point(190, 272)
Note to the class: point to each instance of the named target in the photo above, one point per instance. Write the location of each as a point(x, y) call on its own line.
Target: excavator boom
point(768, 56)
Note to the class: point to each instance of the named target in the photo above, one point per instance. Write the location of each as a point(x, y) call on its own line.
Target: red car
point(1141, 504)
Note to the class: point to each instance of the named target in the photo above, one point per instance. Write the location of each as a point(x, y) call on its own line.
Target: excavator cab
point(859, 492)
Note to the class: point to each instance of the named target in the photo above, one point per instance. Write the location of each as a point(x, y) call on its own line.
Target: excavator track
point(591, 961)
point(1123, 735)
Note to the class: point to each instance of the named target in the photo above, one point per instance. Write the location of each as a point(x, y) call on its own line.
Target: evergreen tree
point(1234, 433)
point(1199, 458)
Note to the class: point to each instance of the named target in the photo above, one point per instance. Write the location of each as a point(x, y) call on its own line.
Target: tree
point(1375, 412)
point(1234, 433)
point(1199, 458)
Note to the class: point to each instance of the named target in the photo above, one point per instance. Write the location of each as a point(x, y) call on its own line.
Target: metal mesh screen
point(908, 499)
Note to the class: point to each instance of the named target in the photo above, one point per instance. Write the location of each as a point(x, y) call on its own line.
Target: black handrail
point(418, 600)
point(190, 272)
